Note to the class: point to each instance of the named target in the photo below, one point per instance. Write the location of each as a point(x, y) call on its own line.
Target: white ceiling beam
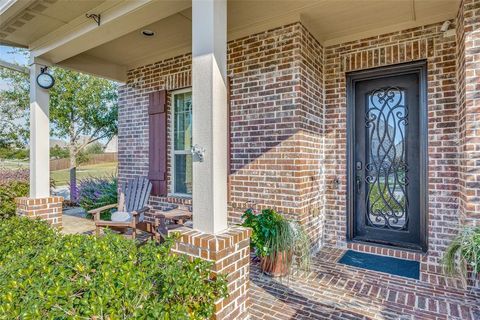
point(14, 67)
point(123, 17)
point(98, 67)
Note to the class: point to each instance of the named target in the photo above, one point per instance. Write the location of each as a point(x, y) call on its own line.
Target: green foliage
point(463, 254)
point(44, 274)
point(14, 153)
point(82, 157)
point(83, 106)
point(379, 205)
point(272, 235)
point(13, 183)
point(8, 193)
point(98, 192)
point(57, 152)
point(80, 105)
point(94, 148)
point(14, 104)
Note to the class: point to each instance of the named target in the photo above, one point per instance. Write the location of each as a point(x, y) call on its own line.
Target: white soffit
point(43, 22)
point(330, 21)
point(25, 21)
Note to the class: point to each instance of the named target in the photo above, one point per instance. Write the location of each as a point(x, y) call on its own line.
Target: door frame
point(419, 67)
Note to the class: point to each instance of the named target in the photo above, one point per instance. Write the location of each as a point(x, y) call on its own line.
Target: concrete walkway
point(75, 221)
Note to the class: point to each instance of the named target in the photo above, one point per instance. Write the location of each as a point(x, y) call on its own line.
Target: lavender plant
point(98, 192)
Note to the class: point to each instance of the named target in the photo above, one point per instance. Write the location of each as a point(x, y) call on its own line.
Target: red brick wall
point(229, 254)
point(46, 209)
point(310, 137)
point(170, 74)
point(288, 125)
point(277, 124)
point(428, 43)
point(276, 121)
point(460, 33)
point(468, 86)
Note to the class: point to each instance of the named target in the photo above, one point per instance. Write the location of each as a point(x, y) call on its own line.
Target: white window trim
point(172, 144)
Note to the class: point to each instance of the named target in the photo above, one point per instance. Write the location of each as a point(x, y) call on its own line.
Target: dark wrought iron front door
point(386, 167)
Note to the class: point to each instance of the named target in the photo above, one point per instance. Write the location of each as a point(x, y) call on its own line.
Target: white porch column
point(39, 135)
point(209, 97)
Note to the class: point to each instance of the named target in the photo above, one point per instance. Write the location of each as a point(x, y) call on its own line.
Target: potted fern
point(278, 242)
point(463, 255)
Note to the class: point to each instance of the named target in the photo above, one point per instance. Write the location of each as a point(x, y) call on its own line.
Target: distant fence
point(61, 164)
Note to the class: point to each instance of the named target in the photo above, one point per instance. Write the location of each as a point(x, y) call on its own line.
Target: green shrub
point(44, 274)
point(94, 148)
point(377, 202)
point(57, 152)
point(463, 254)
point(14, 153)
point(13, 184)
point(273, 235)
point(8, 193)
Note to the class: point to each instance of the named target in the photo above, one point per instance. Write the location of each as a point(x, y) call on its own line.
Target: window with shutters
point(181, 142)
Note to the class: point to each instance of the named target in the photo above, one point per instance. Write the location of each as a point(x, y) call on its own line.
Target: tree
point(14, 104)
point(83, 110)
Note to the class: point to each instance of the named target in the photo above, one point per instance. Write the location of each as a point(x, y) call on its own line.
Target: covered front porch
point(330, 290)
point(229, 105)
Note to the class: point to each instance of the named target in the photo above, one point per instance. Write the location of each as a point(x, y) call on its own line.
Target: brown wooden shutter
point(157, 120)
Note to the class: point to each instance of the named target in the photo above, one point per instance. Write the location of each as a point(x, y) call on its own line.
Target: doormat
point(395, 266)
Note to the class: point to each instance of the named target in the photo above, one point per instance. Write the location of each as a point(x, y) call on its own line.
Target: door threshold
point(386, 250)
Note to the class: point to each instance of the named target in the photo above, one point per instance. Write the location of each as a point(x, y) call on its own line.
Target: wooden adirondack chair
point(132, 206)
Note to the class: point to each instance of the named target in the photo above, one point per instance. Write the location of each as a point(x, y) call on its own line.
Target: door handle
point(358, 177)
point(358, 181)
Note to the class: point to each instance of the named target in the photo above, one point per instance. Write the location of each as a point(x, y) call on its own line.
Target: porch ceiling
point(24, 21)
point(113, 48)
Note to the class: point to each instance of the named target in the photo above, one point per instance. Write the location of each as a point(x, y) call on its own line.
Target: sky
point(7, 55)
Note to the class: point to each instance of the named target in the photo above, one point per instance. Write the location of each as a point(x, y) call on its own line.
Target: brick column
point(230, 254)
point(468, 86)
point(48, 209)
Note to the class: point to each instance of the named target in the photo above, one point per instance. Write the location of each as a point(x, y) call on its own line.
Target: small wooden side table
point(168, 220)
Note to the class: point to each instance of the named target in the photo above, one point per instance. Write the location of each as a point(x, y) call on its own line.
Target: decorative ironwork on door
point(386, 168)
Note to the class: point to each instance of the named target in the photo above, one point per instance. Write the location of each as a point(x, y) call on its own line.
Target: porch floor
point(335, 291)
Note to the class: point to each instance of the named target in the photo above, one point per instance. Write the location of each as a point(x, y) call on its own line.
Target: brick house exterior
point(288, 126)
point(301, 82)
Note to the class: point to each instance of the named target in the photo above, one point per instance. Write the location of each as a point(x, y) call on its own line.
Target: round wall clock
point(45, 80)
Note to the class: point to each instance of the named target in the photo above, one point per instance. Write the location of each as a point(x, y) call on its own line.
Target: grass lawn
point(13, 164)
point(62, 177)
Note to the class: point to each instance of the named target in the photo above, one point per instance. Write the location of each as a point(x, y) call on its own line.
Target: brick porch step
point(335, 291)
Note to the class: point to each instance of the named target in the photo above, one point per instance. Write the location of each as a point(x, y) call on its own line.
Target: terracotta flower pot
point(276, 265)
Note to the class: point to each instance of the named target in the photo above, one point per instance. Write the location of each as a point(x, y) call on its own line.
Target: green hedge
point(13, 183)
point(44, 274)
point(8, 193)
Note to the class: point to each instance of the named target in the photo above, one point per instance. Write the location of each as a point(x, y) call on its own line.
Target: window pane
point(386, 167)
point(183, 121)
point(183, 173)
